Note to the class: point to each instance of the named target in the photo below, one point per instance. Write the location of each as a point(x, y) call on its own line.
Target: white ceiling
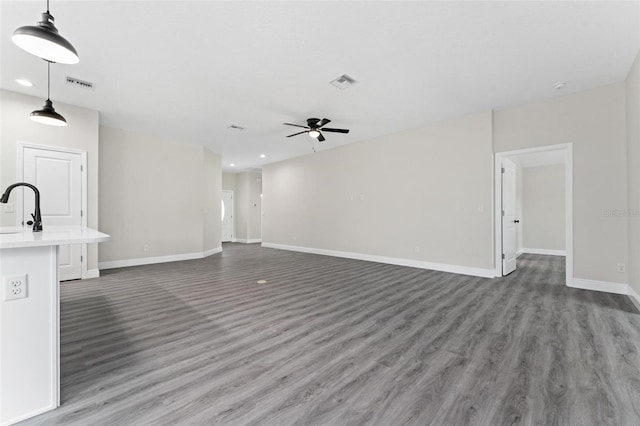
point(188, 70)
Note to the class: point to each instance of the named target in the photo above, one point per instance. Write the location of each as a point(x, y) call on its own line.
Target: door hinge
point(81, 259)
point(503, 170)
point(81, 168)
point(503, 257)
point(81, 213)
point(502, 212)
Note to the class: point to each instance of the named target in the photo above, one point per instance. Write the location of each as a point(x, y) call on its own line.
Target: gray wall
point(426, 194)
point(80, 134)
point(158, 197)
point(543, 207)
point(594, 121)
point(423, 195)
point(633, 159)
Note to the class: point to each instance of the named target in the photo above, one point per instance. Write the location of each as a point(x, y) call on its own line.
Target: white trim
point(546, 252)
point(604, 286)
point(608, 287)
point(92, 273)
point(158, 259)
point(250, 241)
point(519, 252)
point(456, 269)
point(211, 252)
point(28, 416)
point(497, 225)
point(635, 297)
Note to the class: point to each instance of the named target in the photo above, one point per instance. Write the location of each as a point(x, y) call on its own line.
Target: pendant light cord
point(47, 6)
point(48, 77)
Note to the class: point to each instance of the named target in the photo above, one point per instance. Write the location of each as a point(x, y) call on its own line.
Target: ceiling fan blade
point(296, 125)
point(326, 129)
point(324, 122)
point(296, 134)
point(320, 137)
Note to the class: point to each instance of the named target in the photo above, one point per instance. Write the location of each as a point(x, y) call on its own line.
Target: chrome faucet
point(37, 217)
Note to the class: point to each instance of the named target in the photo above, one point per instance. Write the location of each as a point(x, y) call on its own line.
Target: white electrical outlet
point(622, 267)
point(14, 287)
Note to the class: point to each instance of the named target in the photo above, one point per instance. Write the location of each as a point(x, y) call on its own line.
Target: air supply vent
point(343, 82)
point(80, 83)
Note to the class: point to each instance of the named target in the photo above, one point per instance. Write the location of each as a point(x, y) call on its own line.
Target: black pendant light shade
point(47, 114)
point(44, 41)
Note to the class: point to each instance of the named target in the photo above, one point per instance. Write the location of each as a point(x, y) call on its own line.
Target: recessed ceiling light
point(559, 85)
point(262, 156)
point(24, 82)
point(232, 165)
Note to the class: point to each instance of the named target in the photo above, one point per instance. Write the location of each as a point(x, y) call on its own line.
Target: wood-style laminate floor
point(329, 341)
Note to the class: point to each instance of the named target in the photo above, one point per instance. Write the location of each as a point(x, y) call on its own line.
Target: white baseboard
point(92, 273)
point(250, 241)
point(212, 251)
point(635, 297)
point(546, 252)
point(159, 259)
point(464, 270)
point(605, 286)
point(27, 416)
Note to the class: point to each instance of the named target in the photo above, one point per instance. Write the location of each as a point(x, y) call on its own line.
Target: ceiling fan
point(315, 127)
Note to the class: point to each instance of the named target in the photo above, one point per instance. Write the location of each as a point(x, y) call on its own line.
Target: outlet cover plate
point(14, 287)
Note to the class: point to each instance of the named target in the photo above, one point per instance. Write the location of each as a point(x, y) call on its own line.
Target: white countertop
point(50, 236)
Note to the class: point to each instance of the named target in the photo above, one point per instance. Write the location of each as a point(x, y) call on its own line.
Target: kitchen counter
point(15, 237)
point(30, 317)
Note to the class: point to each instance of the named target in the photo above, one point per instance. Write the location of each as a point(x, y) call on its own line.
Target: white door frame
point(84, 193)
point(568, 196)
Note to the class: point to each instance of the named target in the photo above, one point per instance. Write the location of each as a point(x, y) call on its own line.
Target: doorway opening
point(227, 216)
point(550, 232)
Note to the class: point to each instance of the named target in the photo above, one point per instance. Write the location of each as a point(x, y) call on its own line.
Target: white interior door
point(58, 176)
point(227, 216)
point(509, 221)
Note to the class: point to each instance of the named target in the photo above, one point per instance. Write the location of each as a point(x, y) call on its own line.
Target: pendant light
point(48, 115)
point(44, 41)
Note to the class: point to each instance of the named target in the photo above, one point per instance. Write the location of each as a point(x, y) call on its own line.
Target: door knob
point(516, 221)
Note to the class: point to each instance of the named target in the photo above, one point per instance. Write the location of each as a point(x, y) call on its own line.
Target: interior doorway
point(508, 225)
point(227, 216)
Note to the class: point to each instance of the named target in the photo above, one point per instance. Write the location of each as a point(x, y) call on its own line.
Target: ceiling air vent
point(343, 82)
point(80, 83)
point(235, 128)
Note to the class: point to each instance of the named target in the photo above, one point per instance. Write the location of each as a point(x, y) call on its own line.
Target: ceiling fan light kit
point(44, 41)
point(315, 127)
